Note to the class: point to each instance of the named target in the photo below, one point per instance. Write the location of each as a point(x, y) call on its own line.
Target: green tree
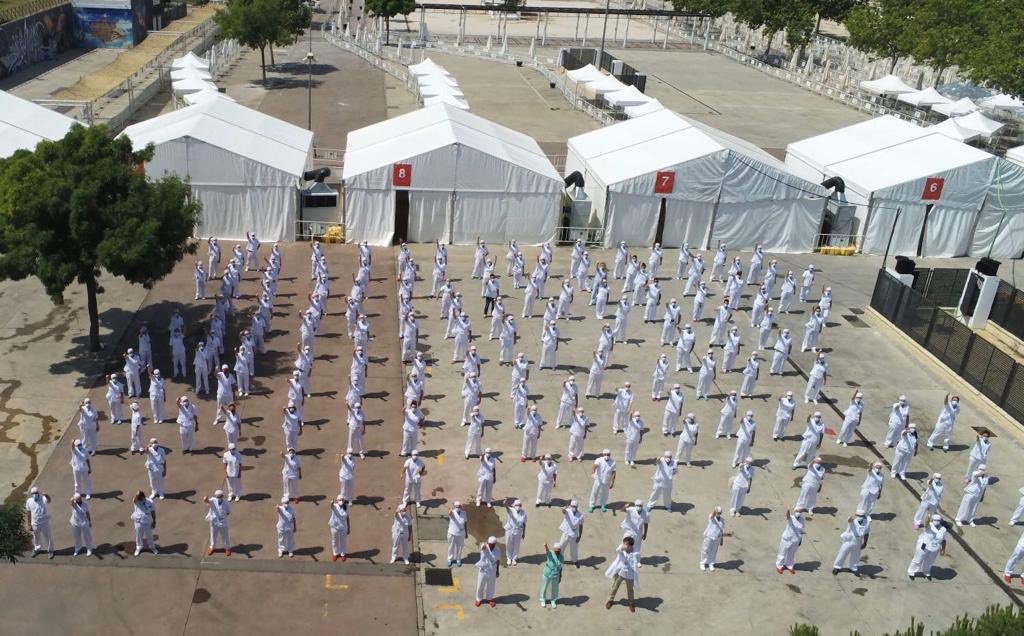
point(78, 205)
point(294, 17)
point(997, 55)
point(388, 9)
point(882, 28)
point(795, 17)
point(254, 23)
point(835, 10)
point(942, 31)
point(713, 8)
point(14, 536)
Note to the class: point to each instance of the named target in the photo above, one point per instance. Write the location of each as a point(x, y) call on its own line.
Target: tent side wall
point(237, 193)
point(1000, 229)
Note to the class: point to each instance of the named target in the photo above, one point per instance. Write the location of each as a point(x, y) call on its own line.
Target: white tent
point(245, 167)
point(936, 183)
point(888, 85)
point(204, 96)
point(436, 78)
point(190, 85)
point(1016, 155)
point(428, 67)
point(952, 129)
point(628, 96)
point(427, 89)
point(190, 73)
point(1001, 102)
point(608, 84)
point(962, 106)
point(445, 98)
point(999, 232)
point(707, 185)
point(923, 99)
point(190, 60)
point(23, 124)
point(448, 175)
point(643, 109)
point(979, 123)
point(584, 74)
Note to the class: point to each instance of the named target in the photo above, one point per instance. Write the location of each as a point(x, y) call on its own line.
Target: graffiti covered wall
point(38, 37)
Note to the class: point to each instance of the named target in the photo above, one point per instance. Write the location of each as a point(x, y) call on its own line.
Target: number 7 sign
point(664, 182)
point(401, 175)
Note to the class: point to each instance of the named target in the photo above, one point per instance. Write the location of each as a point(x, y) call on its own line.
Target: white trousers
point(736, 501)
point(709, 550)
point(849, 553)
point(234, 486)
point(485, 579)
point(570, 547)
point(923, 561)
point(484, 487)
point(156, 483)
point(83, 538)
point(285, 540)
point(512, 543)
point(83, 482)
point(575, 450)
point(290, 487)
point(787, 553)
point(144, 535)
point(412, 491)
point(1015, 558)
point(598, 495)
point(684, 449)
point(544, 491)
point(529, 446)
point(42, 532)
point(400, 546)
point(339, 541)
point(456, 542)
point(346, 488)
point(219, 532)
point(663, 490)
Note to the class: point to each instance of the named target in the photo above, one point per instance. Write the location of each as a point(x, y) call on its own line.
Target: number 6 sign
point(932, 189)
point(664, 181)
point(401, 175)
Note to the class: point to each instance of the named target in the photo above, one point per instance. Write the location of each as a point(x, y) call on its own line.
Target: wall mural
point(35, 38)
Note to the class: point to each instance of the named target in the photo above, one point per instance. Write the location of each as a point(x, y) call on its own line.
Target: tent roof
point(438, 126)
point(1016, 155)
point(234, 128)
point(952, 129)
point(23, 124)
point(1002, 101)
point(203, 96)
point(607, 84)
point(908, 161)
point(979, 123)
point(629, 96)
point(962, 106)
point(927, 97)
point(888, 85)
point(191, 85)
point(190, 60)
point(647, 108)
point(853, 141)
point(659, 140)
point(428, 67)
point(427, 88)
point(190, 72)
point(445, 98)
point(588, 73)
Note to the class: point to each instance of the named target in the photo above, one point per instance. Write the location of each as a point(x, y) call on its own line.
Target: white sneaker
point(138, 551)
point(711, 567)
point(88, 553)
point(543, 604)
point(703, 567)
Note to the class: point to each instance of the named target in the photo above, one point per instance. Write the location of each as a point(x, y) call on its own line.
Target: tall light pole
point(309, 71)
point(604, 30)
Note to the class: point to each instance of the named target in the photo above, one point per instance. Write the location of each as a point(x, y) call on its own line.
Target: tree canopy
point(388, 9)
point(261, 23)
point(882, 28)
point(79, 205)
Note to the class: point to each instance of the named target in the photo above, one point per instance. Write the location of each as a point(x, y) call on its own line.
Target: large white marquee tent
point(714, 187)
point(465, 177)
point(245, 167)
point(23, 124)
point(939, 185)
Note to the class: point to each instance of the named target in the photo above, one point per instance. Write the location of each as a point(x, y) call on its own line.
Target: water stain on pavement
point(12, 417)
point(483, 522)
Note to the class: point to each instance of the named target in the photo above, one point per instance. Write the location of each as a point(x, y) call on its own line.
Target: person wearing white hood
point(751, 371)
point(88, 425)
point(851, 419)
point(684, 348)
point(852, 540)
point(115, 399)
point(635, 521)
point(930, 499)
point(286, 526)
point(714, 538)
point(728, 416)
point(899, 419)
point(974, 493)
point(144, 520)
point(670, 322)
point(745, 436)
point(658, 377)
point(37, 510)
point(906, 449)
point(810, 486)
point(687, 439)
point(619, 265)
point(741, 484)
point(673, 409)
point(694, 273)
point(488, 566)
point(871, 489)
point(515, 530)
point(789, 543)
point(81, 469)
point(401, 535)
point(783, 415)
point(944, 424)
point(218, 510)
point(780, 352)
point(930, 543)
point(81, 525)
point(457, 534)
point(806, 283)
point(706, 375)
point(665, 470)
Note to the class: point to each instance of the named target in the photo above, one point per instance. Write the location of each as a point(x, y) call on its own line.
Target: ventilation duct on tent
point(575, 180)
point(317, 175)
point(834, 183)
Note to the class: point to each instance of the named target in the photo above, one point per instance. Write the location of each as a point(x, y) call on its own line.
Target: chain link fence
point(1008, 309)
point(984, 366)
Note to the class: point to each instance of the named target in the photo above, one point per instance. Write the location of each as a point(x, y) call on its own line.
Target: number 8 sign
point(664, 182)
point(932, 189)
point(401, 175)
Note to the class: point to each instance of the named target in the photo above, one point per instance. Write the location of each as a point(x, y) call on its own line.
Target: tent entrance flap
point(659, 232)
point(429, 216)
point(401, 216)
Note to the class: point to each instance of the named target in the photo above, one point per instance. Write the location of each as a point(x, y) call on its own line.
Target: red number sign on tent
point(664, 182)
point(401, 175)
point(932, 189)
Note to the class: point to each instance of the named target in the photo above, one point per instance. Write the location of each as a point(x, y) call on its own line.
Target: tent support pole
point(892, 233)
point(711, 226)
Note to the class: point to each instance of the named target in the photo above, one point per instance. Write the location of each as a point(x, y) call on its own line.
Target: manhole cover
point(438, 576)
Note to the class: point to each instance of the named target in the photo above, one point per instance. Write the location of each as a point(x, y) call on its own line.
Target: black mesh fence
point(1008, 309)
point(918, 312)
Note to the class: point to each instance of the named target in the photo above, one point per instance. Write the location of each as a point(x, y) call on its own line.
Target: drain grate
point(856, 322)
point(441, 577)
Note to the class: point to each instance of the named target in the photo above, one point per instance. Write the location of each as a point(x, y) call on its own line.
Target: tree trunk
point(272, 61)
point(768, 47)
point(892, 65)
point(938, 76)
point(817, 25)
point(263, 63)
point(387, 30)
point(94, 315)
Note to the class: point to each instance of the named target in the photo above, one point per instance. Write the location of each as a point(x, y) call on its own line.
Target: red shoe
point(1007, 578)
point(778, 569)
point(491, 602)
point(792, 571)
point(476, 603)
point(522, 460)
point(334, 557)
point(227, 552)
point(344, 558)
point(209, 552)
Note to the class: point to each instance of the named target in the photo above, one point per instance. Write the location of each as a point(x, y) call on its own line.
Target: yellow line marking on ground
point(440, 458)
point(331, 585)
point(325, 609)
point(456, 586)
point(458, 609)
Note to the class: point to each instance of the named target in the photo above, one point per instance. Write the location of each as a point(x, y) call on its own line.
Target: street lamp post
point(310, 59)
point(604, 31)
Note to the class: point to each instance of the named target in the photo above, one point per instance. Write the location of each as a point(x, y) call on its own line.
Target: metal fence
point(985, 367)
point(592, 236)
point(309, 230)
point(1008, 309)
point(575, 58)
point(942, 286)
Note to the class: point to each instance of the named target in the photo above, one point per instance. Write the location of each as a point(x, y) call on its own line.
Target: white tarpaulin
point(962, 106)
point(190, 73)
point(888, 85)
point(588, 73)
point(244, 167)
point(23, 124)
point(923, 99)
point(429, 88)
point(936, 183)
point(643, 109)
point(633, 168)
point(480, 179)
point(191, 85)
point(628, 96)
point(1000, 228)
point(607, 84)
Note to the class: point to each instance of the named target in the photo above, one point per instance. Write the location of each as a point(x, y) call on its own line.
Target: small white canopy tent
point(952, 129)
point(629, 96)
point(205, 95)
point(1016, 155)
point(608, 84)
point(889, 85)
point(190, 60)
point(445, 98)
point(428, 67)
point(962, 106)
point(190, 73)
point(938, 184)
point(1001, 102)
point(923, 99)
point(714, 187)
point(23, 124)
point(464, 177)
point(979, 123)
point(245, 167)
point(1000, 227)
point(644, 109)
point(191, 85)
point(584, 74)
